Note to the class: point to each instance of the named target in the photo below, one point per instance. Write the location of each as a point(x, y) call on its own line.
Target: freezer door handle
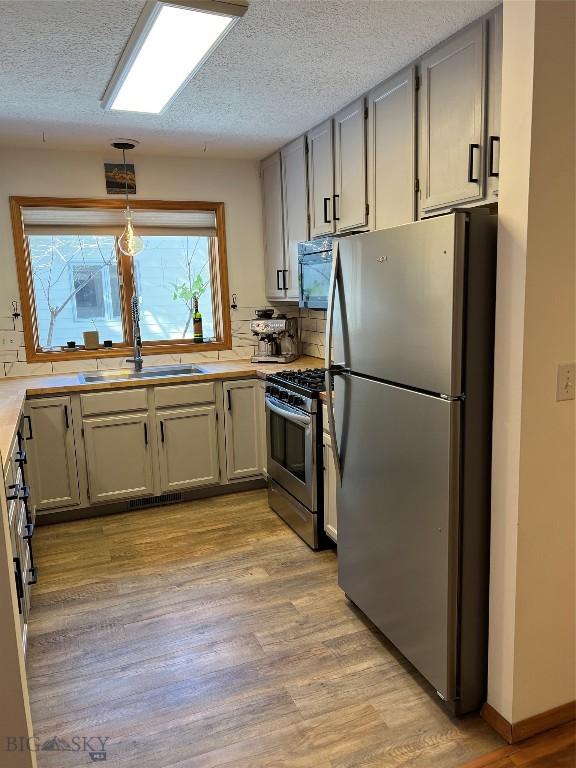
point(331, 301)
point(334, 278)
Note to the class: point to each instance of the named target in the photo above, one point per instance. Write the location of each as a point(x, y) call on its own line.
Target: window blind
point(41, 221)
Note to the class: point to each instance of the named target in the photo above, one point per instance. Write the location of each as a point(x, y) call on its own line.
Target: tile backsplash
point(312, 332)
point(13, 355)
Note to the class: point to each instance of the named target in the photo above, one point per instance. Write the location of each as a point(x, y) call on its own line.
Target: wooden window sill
point(155, 348)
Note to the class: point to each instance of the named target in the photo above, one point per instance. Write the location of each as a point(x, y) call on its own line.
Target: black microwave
point(314, 269)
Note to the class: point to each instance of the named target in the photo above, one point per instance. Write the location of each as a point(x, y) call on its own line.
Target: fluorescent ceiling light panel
point(168, 46)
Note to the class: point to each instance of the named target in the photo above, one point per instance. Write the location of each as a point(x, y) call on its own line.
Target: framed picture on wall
point(120, 178)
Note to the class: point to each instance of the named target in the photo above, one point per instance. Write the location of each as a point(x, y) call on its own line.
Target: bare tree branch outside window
point(51, 264)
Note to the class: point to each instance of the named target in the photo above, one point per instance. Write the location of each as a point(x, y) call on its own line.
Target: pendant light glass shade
point(129, 242)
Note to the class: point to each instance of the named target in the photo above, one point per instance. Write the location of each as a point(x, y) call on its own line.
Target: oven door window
point(288, 445)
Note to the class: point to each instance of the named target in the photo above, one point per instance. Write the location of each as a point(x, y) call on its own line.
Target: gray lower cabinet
point(392, 151)
point(453, 104)
point(142, 442)
point(21, 552)
point(187, 447)
point(51, 453)
point(242, 400)
point(21, 529)
point(118, 457)
point(261, 405)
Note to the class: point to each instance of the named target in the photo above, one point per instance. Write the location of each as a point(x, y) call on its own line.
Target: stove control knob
point(292, 399)
point(283, 395)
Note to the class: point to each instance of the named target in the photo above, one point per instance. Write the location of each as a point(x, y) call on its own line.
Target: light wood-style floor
point(207, 634)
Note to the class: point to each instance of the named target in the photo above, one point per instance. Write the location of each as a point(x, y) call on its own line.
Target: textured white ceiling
point(286, 66)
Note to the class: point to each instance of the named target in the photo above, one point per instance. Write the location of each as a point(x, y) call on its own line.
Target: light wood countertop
point(14, 391)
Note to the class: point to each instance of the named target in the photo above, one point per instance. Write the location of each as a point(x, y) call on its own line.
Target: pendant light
point(129, 242)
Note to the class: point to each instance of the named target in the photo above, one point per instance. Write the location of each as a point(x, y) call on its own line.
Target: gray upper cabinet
point(494, 99)
point(392, 151)
point(349, 202)
point(52, 453)
point(431, 141)
point(452, 124)
point(321, 179)
point(271, 176)
point(295, 210)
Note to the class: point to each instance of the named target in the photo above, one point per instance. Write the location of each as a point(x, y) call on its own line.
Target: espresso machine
point(277, 339)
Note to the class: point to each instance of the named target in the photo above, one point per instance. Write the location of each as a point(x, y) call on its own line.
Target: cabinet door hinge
point(416, 185)
point(417, 82)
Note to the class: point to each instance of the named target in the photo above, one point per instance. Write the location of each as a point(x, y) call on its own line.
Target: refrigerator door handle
point(334, 278)
point(331, 301)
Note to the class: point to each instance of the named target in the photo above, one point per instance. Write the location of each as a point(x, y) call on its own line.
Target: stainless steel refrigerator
point(410, 322)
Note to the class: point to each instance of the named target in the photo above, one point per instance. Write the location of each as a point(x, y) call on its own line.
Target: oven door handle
point(292, 414)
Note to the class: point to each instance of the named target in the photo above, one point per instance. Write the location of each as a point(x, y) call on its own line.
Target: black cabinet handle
point(34, 577)
point(66, 417)
point(278, 273)
point(28, 538)
point(162, 431)
point(30, 436)
point(326, 219)
point(471, 148)
point(284, 280)
point(145, 433)
point(19, 582)
point(492, 140)
point(229, 400)
point(13, 496)
point(336, 197)
point(27, 510)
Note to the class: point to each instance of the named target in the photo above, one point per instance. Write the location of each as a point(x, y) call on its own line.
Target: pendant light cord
point(125, 176)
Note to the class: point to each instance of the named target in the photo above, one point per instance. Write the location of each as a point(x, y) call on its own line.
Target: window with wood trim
point(73, 277)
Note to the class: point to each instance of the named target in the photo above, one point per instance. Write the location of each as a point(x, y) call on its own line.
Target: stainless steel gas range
point(294, 433)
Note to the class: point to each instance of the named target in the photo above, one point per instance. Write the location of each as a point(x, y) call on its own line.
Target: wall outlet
point(9, 340)
point(565, 382)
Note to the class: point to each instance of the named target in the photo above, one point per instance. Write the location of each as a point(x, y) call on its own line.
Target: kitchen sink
point(127, 374)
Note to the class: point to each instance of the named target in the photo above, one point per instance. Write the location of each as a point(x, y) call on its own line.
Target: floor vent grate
point(153, 501)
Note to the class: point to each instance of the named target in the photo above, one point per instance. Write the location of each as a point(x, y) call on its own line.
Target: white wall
point(533, 580)
point(81, 174)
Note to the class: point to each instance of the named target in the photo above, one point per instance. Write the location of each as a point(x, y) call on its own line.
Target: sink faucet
point(137, 353)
